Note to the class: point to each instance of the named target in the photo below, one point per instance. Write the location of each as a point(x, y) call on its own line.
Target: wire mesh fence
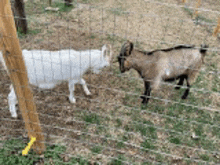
point(103, 120)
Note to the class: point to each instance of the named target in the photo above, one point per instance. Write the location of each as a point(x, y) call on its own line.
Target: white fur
point(46, 69)
point(167, 72)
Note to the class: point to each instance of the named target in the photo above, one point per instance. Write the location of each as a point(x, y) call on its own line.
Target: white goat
point(46, 69)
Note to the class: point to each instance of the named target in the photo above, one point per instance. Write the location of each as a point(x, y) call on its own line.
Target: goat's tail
point(203, 51)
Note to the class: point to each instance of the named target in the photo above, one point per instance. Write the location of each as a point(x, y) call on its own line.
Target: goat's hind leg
point(85, 88)
point(190, 79)
point(146, 93)
point(180, 82)
point(12, 101)
point(186, 93)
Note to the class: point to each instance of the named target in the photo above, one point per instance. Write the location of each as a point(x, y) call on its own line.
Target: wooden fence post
point(12, 55)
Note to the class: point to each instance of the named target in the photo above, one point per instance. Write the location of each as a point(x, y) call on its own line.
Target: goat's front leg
point(71, 90)
point(85, 88)
point(146, 93)
point(12, 101)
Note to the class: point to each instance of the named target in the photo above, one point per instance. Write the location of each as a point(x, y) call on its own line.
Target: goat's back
point(178, 62)
point(54, 66)
point(169, 64)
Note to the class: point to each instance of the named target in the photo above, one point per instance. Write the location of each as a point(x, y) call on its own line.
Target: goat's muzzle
point(121, 63)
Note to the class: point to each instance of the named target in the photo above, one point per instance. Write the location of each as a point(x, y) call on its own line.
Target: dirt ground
point(150, 25)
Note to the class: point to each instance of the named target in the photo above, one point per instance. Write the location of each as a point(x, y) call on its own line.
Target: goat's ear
point(107, 50)
point(109, 53)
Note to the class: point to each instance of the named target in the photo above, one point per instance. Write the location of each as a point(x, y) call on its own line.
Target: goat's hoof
point(184, 97)
point(13, 111)
point(14, 116)
point(177, 88)
point(88, 94)
point(144, 102)
point(73, 100)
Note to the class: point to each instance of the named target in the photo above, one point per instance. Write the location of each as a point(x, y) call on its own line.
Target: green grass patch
point(92, 118)
point(204, 157)
point(129, 100)
point(96, 149)
point(29, 32)
point(146, 130)
point(175, 140)
point(189, 11)
point(199, 17)
point(92, 36)
point(119, 122)
point(62, 7)
point(204, 19)
point(113, 38)
point(54, 152)
point(11, 153)
point(88, 1)
point(147, 144)
point(216, 131)
point(120, 145)
point(118, 161)
point(33, 8)
point(216, 84)
point(117, 11)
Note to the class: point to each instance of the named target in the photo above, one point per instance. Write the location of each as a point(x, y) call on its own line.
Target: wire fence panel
point(91, 113)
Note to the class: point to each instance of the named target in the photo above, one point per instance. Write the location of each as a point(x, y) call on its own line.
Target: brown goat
point(179, 62)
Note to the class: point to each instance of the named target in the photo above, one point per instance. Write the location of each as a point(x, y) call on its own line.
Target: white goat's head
point(105, 59)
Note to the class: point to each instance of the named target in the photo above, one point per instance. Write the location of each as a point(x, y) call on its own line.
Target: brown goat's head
point(126, 50)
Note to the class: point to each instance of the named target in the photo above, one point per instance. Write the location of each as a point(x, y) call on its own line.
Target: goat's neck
point(137, 65)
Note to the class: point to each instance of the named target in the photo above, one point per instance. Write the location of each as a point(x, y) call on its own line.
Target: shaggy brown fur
point(180, 62)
